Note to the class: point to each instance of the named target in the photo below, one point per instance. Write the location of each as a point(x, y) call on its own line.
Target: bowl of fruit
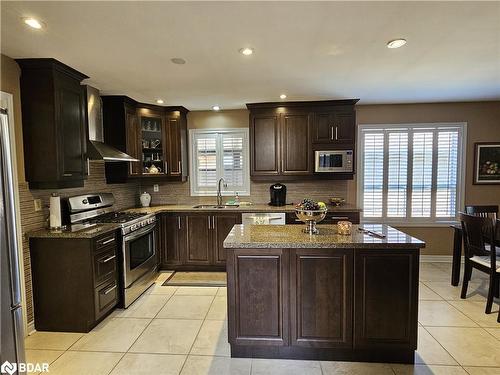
point(310, 212)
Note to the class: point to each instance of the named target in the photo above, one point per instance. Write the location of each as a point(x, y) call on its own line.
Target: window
point(411, 173)
point(216, 154)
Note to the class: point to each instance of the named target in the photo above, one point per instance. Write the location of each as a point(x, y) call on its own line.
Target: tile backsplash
point(179, 192)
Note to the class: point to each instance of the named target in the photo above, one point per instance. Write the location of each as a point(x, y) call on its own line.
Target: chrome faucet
point(219, 192)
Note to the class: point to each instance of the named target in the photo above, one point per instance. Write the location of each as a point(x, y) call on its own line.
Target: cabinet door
point(133, 135)
point(258, 296)
point(296, 144)
point(71, 129)
point(199, 239)
point(223, 225)
point(386, 299)
point(321, 298)
point(174, 146)
point(264, 145)
point(153, 143)
point(172, 240)
point(323, 128)
point(345, 127)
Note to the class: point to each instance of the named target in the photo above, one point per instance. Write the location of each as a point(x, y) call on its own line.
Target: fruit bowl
point(310, 217)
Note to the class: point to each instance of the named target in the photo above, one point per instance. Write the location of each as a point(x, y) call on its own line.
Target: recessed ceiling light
point(247, 51)
point(396, 43)
point(282, 96)
point(33, 22)
point(159, 101)
point(178, 60)
point(216, 108)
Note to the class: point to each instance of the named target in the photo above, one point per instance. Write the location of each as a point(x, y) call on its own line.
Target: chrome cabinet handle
point(166, 166)
point(331, 133)
point(213, 222)
point(179, 222)
point(106, 260)
point(107, 291)
point(336, 133)
point(180, 168)
point(339, 217)
point(67, 174)
point(108, 241)
point(209, 219)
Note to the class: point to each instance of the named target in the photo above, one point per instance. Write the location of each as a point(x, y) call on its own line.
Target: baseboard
point(436, 258)
point(31, 328)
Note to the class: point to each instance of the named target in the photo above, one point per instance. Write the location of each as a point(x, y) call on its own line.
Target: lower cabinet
point(334, 304)
point(75, 281)
point(194, 241)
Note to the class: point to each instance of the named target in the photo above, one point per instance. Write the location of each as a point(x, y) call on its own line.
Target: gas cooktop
point(117, 217)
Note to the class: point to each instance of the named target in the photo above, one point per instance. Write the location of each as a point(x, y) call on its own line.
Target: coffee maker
point(278, 194)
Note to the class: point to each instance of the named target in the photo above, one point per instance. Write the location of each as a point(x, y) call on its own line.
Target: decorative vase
point(145, 199)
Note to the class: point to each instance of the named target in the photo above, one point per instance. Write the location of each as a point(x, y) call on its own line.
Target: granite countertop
point(251, 208)
point(291, 236)
point(90, 232)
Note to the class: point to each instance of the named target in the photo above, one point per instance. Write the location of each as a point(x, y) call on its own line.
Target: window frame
point(229, 191)
point(413, 221)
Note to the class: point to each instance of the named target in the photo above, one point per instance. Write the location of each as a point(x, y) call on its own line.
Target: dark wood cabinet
point(155, 135)
point(296, 144)
point(320, 298)
point(199, 239)
point(54, 124)
point(194, 241)
point(284, 136)
point(265, 144)
point(222, 226)
point(258, 301)
point(386, 299)
point(74, 280)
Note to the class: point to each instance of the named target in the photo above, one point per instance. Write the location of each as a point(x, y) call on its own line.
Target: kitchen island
point(325, 296)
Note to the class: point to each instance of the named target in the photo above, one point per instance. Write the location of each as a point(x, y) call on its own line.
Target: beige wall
point(237, 118)
point(9, 82)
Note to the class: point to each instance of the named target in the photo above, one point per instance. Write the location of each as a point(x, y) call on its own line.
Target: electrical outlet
point(156, 188)
point(38, 204)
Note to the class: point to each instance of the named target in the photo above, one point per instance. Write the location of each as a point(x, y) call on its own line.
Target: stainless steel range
point(138, 256)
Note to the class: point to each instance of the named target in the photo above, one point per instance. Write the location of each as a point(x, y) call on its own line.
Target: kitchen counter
point(89, 232)
point(251, 208)
point(291, 236)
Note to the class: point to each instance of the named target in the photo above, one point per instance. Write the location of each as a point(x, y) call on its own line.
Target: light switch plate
point(156, 188)
point(38, 204)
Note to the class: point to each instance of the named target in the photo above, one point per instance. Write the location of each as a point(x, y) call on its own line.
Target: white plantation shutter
point(373, 174)
point(216, 154)
point(422, 174)
point(410, 173)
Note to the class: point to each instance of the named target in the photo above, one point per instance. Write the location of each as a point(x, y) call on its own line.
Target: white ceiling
point(322, 50)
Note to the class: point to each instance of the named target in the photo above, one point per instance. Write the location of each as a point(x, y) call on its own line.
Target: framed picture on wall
point(486, 163)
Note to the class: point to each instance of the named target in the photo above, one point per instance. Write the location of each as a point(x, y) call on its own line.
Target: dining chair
point(482, 210)
point(481, 255)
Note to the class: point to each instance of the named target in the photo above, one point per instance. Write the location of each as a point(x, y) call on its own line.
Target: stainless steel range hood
point(96, 148)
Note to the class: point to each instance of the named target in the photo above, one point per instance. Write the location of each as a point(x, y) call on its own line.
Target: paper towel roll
point(55, 212)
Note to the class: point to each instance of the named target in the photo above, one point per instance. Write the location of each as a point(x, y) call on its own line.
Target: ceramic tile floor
point(183, 330)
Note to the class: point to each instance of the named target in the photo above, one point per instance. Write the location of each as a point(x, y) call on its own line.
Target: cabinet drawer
point(105, 241)
point(106, 297)
point(104, 264)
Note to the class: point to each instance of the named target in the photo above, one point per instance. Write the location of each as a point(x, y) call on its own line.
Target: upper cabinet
point(284, 136)
point(54, 124)
point(155, 135)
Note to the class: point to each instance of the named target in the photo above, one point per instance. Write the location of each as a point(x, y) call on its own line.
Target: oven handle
point(139, 233)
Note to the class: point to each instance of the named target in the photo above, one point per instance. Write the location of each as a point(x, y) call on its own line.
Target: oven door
point(139, 254)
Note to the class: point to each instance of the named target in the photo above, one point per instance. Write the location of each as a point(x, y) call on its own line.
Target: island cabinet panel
point(320, 298)
point(258, 302)
point(264, 135)
point(386, 299)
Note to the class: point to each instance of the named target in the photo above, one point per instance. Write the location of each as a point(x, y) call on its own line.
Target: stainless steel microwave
point(333, 161)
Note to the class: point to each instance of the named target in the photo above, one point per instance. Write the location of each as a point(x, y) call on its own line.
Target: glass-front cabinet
point(152, 131)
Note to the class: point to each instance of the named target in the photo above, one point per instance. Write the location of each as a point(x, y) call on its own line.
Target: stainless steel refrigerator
point(11, 328)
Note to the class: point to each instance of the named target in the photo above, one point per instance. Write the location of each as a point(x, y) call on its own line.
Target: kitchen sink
point(216, 206)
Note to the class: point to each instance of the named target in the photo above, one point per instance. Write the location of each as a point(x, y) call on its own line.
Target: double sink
point(216, 206)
